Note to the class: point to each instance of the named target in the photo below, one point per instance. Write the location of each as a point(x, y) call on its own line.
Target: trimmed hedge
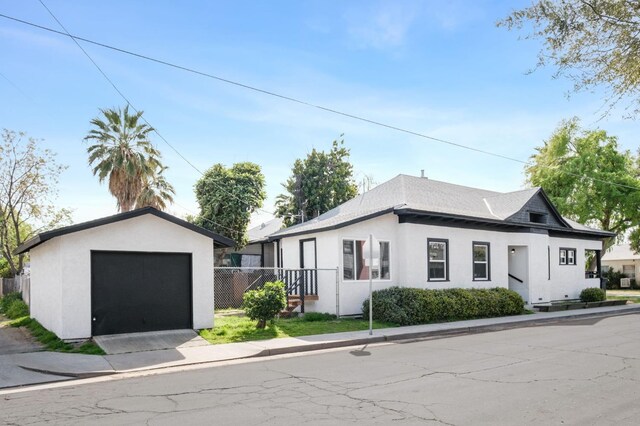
point(410, 306)
point(593, 294)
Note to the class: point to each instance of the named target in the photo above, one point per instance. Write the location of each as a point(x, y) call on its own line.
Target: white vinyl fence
point(21, 283)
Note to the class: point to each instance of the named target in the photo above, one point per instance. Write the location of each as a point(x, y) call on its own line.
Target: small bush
point(17, 309)
point(318, 316)
point(613, 279)
point(8, 300)
point(13, 307)
point(593, 294)
point(409, 306)
point(265, 303)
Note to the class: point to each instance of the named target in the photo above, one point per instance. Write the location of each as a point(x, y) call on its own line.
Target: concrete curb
point(451, 332)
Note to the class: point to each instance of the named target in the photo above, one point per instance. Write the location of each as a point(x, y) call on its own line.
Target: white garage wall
point(46, 289)
point(142, 233)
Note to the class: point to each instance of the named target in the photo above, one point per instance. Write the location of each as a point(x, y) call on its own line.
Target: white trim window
point(481, 259)
point(438, 259)
point(563, 256)
point(567, 256)
point(354, 264)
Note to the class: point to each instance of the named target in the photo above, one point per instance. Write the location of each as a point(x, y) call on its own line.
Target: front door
point(308, 259)
point(519, 271)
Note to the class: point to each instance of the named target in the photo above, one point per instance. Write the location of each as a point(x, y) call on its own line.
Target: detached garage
point(138, 271)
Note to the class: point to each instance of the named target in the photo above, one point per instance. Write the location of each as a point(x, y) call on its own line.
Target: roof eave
point(595, 233)
point(218, 240)
point(332, 227)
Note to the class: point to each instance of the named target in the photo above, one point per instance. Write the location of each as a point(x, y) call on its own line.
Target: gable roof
point(261, 232)
point(219, 240)
point(408, 194)
point(620, 252)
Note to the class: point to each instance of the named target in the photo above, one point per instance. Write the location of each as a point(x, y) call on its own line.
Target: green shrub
point(13, 307)
point(8, 300)
point(318, 316)
point(593, 294)
point(17, 309)
point(613, 278)
point(265, 303)
point(409, 306)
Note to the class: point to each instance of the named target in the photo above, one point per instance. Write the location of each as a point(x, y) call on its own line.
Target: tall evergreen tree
point(318, 183)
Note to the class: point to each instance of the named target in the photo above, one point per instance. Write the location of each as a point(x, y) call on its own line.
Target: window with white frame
point(481, 259)
point(567, 256)
point(629, 271)
point(354, 264)
point(438, 259)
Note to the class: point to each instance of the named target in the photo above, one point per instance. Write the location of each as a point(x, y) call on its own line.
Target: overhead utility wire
point(295, 100)
point(263, 91)
point(66, 33)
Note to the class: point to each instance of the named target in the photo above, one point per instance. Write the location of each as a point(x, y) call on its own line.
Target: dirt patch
point(16, 340)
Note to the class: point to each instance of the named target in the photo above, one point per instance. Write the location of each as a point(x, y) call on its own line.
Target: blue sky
point(441, 68)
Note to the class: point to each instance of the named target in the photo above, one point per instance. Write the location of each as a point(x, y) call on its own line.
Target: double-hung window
point(481, 259)
point(355, 264)
point(567, 256)
point(438, 260)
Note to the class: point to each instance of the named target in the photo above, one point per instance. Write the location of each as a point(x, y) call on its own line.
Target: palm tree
point(156, 191)
point(122, 153)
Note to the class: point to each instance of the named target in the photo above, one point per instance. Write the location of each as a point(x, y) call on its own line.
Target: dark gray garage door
point(134, 291)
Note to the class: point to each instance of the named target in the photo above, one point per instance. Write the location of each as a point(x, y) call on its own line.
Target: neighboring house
point(621, 258)
point(257, 253)
point(142, 270)
point(438, 235)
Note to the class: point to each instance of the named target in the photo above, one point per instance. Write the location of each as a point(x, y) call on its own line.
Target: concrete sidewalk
point(68, 366)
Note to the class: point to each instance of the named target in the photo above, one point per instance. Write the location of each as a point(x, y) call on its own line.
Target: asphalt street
point(580, 372)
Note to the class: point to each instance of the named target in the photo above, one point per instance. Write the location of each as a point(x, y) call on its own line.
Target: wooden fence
point(21, 283)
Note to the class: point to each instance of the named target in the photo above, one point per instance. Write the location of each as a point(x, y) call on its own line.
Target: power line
point(291, 99)
point(66, 32)
point(264, 91)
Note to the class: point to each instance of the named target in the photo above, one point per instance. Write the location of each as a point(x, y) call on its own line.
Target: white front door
point(308, 254)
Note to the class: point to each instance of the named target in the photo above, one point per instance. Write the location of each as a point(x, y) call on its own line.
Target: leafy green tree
point(594, 43)
point(123, 154)
point(28, 179)
point(265, 303)
point(227, 198)
point(588, 177)
point(318, 183)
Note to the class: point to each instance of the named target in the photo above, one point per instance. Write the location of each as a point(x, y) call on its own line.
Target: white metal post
point(370, 284)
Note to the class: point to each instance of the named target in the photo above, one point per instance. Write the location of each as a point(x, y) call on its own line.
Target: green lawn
point(230, 329)
point(631, 299)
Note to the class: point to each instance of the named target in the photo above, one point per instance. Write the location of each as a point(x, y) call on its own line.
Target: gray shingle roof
point(421, 194)
point(261, 232)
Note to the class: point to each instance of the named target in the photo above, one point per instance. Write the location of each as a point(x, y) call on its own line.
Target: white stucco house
point(621, 258)
point(439, 235)
point(142, 270)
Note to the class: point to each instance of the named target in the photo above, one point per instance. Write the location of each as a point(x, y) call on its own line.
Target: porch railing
point(230, 283)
